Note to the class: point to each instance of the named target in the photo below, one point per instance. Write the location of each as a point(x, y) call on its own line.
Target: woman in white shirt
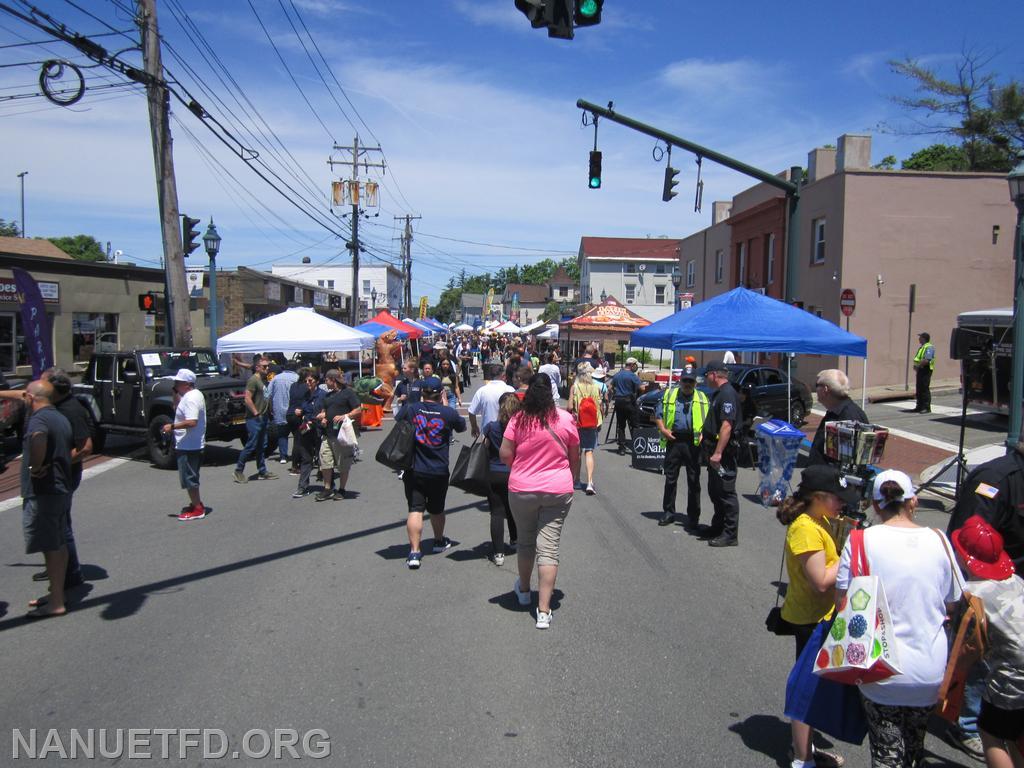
point(916, 572)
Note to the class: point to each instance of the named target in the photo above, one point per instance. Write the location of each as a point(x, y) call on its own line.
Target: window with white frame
point(330, 284)
point(719, 265)
point(818, 249)
point(691, 273)
point(742, 270)
point(659, 294)
point(630, 293)
point(659, 269)
point(366, 286)
point(321, 283)
point(563, 291)
point(769, 259)
point(629, 268)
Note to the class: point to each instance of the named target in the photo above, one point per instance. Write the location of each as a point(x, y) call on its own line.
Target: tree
point(973, 107)
point(9, 229)
point(937, 157)
point(81, 247)
point(552, 312)
point(887, 163)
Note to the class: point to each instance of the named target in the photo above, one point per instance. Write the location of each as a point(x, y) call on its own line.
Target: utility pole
point(407, 263)
point(22, 176)
point(353, 188)
point(179, 328)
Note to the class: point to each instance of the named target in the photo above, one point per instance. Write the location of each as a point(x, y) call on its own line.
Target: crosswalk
point(940, 410)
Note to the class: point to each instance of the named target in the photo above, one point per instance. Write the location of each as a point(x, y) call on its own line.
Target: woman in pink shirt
point(542, 447)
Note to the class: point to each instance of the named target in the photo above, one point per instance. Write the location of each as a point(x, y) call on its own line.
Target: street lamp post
point(604, 295)
point(373, 301)
point(1016, 182)
point(677, 281)
point(22, 176)
point(211, 241)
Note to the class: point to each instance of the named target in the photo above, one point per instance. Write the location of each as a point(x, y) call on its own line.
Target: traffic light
point(189, 233)
point(534, 10)
point(668, 192)
point(558, 15)
point(595, 169)
point(335, 302)
point(148, 302)
point(587, 12)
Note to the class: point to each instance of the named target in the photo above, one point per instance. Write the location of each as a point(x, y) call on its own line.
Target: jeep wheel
point(161, 448)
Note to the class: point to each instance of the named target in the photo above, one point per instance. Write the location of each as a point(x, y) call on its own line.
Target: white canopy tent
point(533, 326)
point(463, 327)
point(507, 327)
point(298, 329)
point(550, 333)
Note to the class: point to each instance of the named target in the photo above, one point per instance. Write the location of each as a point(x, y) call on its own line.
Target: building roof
point(528, 294)
point(561, 277)
point(609, 315)
point(631, 248)
point(35, 246)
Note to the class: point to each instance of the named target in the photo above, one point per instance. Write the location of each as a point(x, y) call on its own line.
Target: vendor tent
point(507, 327)
point(432, 323)
point(550, 333)
point(533, 326)
point(746, 321)
point(389, 319)
point(298, 329)
point(379, 329)
point(463, 327)
point(609, 324)
point(427, 330)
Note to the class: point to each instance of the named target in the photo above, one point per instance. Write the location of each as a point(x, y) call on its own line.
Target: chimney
point(720, 211)
point(854, 152)
point(821, 162)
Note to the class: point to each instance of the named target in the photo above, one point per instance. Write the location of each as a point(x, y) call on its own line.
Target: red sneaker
point(197, 512)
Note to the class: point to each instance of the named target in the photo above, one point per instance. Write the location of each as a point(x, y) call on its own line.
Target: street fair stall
point(608, 324)
point(298, 329)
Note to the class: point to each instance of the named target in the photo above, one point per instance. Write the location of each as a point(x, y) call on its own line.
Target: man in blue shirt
point(426, 484)
point(680, 415)
point(625, 390)
point(408, 389)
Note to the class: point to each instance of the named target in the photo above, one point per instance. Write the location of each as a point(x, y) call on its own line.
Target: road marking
point(95, 469)
point(941, 410)
point(940, 444)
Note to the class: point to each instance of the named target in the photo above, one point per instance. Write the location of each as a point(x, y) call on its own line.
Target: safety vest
point(668, 412)
point(919, 357)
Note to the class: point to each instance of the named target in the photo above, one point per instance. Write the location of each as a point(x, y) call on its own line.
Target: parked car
point(762, 390)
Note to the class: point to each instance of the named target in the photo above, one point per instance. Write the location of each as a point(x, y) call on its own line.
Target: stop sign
point(847, 301)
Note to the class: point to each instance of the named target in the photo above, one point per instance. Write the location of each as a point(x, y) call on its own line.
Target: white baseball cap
point(185, 375)
point(900, 478)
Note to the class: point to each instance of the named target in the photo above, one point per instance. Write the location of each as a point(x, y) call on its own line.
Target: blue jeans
point(282, 440)
point(973, 688)
point(255, 444)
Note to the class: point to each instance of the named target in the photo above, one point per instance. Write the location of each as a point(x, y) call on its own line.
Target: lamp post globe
point(1015, 179)
point(211, 242)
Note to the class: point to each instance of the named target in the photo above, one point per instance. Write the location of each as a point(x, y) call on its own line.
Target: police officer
point(995, 490)
point(720, 443)
point(625, 390)
point(680, 415)
point(924, 364)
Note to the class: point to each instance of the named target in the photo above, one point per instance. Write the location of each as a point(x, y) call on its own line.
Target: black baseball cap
point(716, 365)
point(822, 477)
point(432, 384)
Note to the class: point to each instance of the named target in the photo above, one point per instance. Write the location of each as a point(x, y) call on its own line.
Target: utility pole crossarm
point(788, 187)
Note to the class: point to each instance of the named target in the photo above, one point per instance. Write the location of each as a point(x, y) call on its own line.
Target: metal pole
point(1017, 377)
point(910, 322)
point(213, 302)
point(22, 176)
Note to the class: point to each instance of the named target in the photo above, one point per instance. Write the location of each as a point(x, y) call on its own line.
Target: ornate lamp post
point(211, 241)
point(373, 301)
point(1016, 182)
point(677, 280)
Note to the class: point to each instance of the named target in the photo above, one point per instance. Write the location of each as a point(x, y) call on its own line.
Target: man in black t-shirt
point(408, 389)
point(337, 453)
point(81, 434)
point(833, 389)
point(719, 439)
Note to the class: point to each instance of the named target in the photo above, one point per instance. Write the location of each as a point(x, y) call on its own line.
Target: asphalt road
point(281, 614)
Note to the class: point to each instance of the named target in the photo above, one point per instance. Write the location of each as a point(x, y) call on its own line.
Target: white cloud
point(496, 13)
point(720, 80)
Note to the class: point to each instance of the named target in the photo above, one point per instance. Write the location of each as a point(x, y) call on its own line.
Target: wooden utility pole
point(353, 245)
point(179, 327)
point(407, 263)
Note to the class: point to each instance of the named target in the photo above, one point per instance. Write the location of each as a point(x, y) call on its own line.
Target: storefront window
point(92, 332)
point(13, 349)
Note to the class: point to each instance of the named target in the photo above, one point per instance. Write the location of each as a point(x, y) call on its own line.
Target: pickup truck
point(129, 392)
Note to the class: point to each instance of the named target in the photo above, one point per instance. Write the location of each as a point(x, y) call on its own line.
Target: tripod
point(958, 461)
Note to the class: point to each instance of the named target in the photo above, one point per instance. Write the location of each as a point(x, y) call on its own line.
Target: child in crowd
point(979, 549)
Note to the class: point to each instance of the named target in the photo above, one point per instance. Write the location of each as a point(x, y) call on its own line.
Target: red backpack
point(586, 416)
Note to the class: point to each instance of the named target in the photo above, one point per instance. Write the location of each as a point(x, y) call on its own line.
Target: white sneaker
point(590, 490)
point(543, 620)
point(498, 558)
point(524, 598)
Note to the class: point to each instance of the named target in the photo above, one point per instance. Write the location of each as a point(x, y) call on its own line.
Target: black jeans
point(497, 501)
point(682, 453)
point(305, 447)
point(464, 367)
point(924, 388)
point(722, 490)
point(625, 413)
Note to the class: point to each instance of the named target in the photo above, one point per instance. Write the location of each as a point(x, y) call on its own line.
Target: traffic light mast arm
point(788, 187)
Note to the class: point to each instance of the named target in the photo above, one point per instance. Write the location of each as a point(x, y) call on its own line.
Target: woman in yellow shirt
point(811, 564)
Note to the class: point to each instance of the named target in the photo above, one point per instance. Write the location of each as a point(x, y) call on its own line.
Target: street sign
point(847, 301)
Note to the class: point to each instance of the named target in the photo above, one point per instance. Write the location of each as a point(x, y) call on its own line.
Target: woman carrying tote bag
point(914, 568)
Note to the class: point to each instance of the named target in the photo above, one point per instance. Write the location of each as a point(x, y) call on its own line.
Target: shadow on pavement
point(767, 734)
point(508, 601)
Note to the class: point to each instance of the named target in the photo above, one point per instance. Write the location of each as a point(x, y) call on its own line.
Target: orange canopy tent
point(385, 318)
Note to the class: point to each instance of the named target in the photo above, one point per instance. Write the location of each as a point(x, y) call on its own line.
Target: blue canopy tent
point(432, 323)
point(379, 329)
point(746, 321)
point(427, 330)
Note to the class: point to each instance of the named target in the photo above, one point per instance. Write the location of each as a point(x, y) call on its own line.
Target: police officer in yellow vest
point(924, 364)
point(679, 416)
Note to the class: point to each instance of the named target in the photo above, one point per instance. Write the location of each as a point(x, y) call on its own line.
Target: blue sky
point(475, 112)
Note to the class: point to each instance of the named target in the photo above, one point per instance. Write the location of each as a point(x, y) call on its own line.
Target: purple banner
point(35, 323)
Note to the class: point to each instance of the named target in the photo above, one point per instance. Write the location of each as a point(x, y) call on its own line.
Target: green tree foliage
point(81, 247)
point(9, 229)
point(973, 107)
point(552, 312)
point(887, 163)
point(449, 305)
point(937, 157)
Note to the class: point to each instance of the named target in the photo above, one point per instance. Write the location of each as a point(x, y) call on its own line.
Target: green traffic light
point(595, 182)
point(588, 8)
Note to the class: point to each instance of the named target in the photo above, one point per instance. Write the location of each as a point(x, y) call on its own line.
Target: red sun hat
point(981, 547)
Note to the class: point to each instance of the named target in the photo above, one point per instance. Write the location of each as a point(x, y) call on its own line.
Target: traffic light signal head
point(147, 302)
point(595, 169)
point(189, 233)
point(534, 10)
point(668, 192)
point(587, 12)
point(558, 17)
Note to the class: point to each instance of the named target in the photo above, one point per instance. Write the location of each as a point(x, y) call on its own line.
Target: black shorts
point(425, 493)
point(1005, 724)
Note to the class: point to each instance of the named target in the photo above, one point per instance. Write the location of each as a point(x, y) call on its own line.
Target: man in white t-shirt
point(483, 409)
point(554, 373)
point(189, 428)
